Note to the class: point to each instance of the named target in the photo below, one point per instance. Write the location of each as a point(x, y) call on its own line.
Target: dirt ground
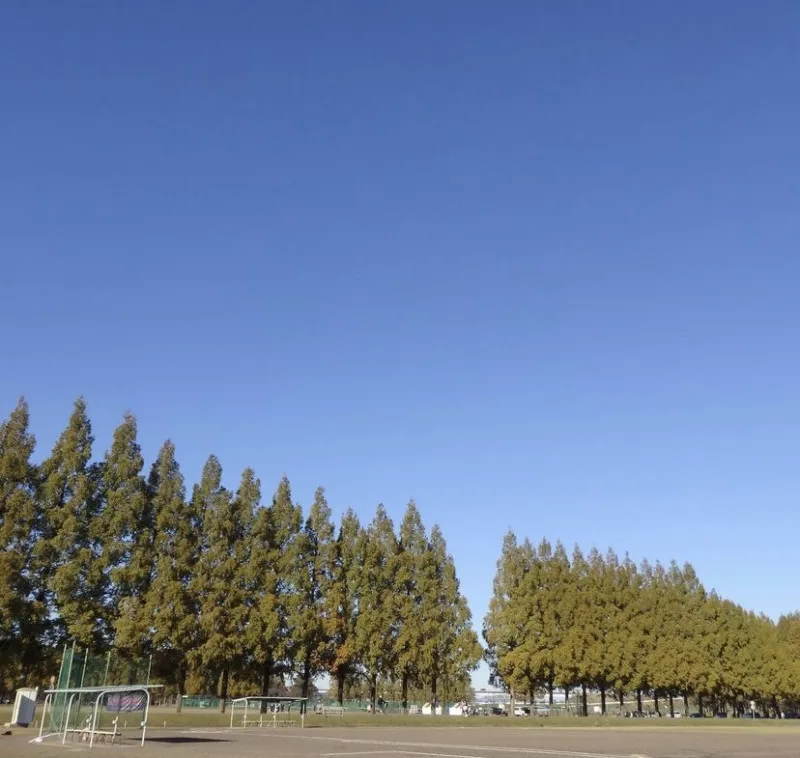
point(422, 742)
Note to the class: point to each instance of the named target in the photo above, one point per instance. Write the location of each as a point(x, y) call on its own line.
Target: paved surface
point(440, 742)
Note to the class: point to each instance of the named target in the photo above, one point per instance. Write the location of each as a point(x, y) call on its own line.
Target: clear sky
point(534, 264)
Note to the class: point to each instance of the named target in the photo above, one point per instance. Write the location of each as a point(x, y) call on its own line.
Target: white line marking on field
point(397, 752)
point(477, 748)
point(360, 752)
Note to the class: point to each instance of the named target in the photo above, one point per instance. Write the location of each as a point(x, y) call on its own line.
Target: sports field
point(432, 742)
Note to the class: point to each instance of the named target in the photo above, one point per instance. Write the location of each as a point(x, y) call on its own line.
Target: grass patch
point(198, 718)
point(193, 717)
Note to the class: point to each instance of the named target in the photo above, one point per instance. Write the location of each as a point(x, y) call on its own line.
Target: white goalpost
point(279, 710)
point(117, 699)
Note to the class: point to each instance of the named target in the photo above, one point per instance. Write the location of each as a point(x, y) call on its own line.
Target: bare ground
point(427, 742)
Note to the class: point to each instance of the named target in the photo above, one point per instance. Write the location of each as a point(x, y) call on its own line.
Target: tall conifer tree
point(220, 581)
point(376, 627)
point(271, 575)
point(449, 646)
point(127, 527)
point(314, 576)
point(504, 624)
point(21, 615)
point(171, 606)
point(343, 602)
point(412, 547)
point(68, 547)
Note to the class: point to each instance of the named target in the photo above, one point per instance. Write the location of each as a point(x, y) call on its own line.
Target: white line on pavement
point(492, 748)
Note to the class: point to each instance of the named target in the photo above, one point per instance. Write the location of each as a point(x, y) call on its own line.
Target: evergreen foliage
point(21, 608)
point(126, 532)
point(68, 548)
point(219, 584)
point(605, 624)
point(231, 595)
point(342, 602)
point(170, 606)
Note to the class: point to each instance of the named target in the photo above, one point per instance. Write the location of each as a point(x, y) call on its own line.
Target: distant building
point(487, 696)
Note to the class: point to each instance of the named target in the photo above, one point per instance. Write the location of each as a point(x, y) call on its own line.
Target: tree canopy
point(225, 592)
point(228, 593)
point(601, 623)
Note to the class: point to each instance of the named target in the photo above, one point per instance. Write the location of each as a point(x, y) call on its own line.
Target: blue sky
point(533, 264)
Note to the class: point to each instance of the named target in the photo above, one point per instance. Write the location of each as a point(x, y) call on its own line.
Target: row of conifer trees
point(217, 586)
point(595, 622)
point(232, 594)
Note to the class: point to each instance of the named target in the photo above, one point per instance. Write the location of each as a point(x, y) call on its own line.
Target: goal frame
point(70, 693)
point(269, 699)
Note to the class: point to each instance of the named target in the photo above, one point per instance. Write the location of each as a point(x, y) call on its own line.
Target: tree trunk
point(340, 676)
point(181, 688)
point(584, 702)
point(566, 699)
point(373, 692)
point(603, 700)
point(404, 694)
point(685, 703)
point(434, 692)
point(700, 704)
point(306, 675)
point(621, 698)
point(223, 690)
point(266, 673)
point(671, 706)
point(776, 706)
point(550, 694)
point(639, 700)
point(512, 706)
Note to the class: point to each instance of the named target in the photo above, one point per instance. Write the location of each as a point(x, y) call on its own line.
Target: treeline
point(222, 590)
point(582, 622)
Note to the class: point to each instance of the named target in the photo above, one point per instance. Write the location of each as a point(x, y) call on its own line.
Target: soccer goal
point(95, 714)
point(96, 699)
point(280, 711)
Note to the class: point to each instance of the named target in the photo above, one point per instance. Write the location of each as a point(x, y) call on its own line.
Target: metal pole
point(69, 674)
point(47, 699)
point(85, 660)
point(66, 720)
point(71, 661)
point(146, 712)
point(94, 719)
point(149, 666)
point(83, 677)
point(108, 664)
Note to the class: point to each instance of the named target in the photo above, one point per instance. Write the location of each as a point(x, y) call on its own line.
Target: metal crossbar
point(275, 702)
point(90, 724)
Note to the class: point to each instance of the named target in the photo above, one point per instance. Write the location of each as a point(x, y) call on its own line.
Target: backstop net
point(83, 669)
